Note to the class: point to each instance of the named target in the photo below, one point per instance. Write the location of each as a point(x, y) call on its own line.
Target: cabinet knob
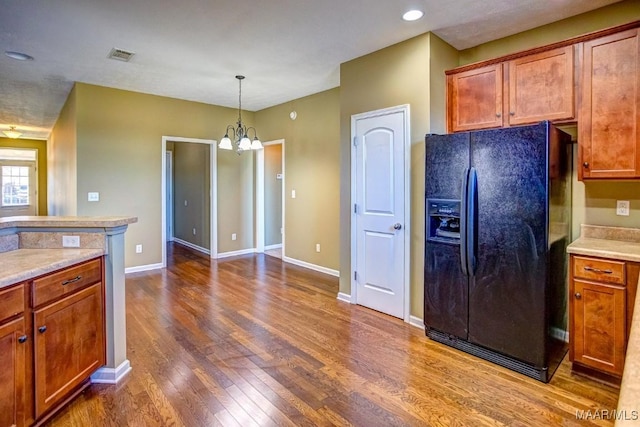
point(498, 115)
point(22, 339)
point(42, 329)
point(512, 113)
point(586, 165)
point(578, 295)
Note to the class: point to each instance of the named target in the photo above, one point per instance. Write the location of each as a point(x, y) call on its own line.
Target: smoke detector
point(120, 54)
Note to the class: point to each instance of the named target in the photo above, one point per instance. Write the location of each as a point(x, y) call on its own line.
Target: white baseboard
point(236, 253)
point(106, 375)
point(140, 268)
point(192, 246)
point(277, 246)
point(310, 266)
point(344, 297)
point(416, 321)
point(560, 334)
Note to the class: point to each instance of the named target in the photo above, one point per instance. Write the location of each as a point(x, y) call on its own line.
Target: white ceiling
point(192, 49)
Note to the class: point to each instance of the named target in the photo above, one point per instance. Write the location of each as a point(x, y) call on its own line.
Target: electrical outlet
point(93, 196)
point(234, 236)
point(622, 207)
point(139, 249)
point(317, 247)
point(281, 230)
point(194, 231)
point(186, 203)
point(293, 194)
point(70, 241)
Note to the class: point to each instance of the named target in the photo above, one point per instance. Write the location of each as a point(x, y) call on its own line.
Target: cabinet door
point(608, 131)
point(475, 99)
point(599, 316)
point(69, 345)
point(12, 373)
point(541, 87)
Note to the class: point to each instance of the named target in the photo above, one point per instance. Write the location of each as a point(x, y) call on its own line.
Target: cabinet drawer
point(64, 282)
point(599, 270)
point(11, 302)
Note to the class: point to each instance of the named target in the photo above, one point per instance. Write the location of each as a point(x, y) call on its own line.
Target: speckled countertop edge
point(605, 248)
point(67, 221)
point(23, 264)
point(629, 399)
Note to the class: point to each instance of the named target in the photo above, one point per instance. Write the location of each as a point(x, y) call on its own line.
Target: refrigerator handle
point(463, 221)
point(472, 199)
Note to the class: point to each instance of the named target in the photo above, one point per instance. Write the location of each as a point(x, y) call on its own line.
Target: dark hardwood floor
point(252, 341)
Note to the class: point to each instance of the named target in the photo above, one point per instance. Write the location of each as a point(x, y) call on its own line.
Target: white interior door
point(380, 275)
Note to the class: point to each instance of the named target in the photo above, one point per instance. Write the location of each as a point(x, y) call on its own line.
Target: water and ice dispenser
point(443, 221)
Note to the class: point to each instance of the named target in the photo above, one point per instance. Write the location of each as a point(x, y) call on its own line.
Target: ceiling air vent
point(120, 54)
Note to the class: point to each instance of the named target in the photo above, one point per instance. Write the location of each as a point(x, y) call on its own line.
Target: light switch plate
point(622, 208)
point(93, 196)
point(293, 194)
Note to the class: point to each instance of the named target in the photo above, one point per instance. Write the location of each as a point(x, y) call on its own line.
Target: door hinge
point(355, 141)
point(355, 208)
point(355, 276)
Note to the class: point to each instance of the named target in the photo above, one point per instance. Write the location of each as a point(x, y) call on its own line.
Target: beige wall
point(312, 159)
point(119, 155)
point(41, 147)
point(191, 197)
point(609, 16)
point(405, 73)
point(594, 202)
point(272, 194)
point(62, 160)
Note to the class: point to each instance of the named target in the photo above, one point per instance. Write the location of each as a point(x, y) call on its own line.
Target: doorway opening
point(195, 224)
point(270, 212)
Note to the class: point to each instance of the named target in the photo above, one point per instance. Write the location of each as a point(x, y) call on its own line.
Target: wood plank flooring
point(252, 341)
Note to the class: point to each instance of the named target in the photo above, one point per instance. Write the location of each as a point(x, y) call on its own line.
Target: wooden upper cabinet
point(608, 132)
point(474, 99)
point(541, 87)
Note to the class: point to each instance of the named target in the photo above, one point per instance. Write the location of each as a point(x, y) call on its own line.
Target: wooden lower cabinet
point(52, 338)
point(13, 355)
point(602, 293)
point(69, 345)
point(599, 326)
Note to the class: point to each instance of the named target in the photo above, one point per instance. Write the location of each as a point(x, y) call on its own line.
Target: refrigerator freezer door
point(445, 286)
point(507, 309)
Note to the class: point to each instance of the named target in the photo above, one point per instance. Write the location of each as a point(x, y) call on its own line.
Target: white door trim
point(213, 176)
point(407, 202)
point(260, 234)
point(169, 210)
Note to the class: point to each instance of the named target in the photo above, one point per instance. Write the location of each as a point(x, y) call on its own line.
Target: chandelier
point(240, 132)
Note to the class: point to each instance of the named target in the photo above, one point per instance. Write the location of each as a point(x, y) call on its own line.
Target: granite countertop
point(23, 264)
point(67, 221)
point(623, 244)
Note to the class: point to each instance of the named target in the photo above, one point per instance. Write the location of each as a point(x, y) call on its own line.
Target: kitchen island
point(36, 256)
point(622, 244)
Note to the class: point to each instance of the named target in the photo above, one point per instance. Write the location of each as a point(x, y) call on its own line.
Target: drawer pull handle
point(597, 270)
point(22, 339)
point(42, 329)
point(75, 279)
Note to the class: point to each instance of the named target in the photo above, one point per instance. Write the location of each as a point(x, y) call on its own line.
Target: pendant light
point(241, 141)
point(12, 132)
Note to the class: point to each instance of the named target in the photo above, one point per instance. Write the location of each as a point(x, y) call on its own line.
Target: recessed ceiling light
point(413, 15)
point(18, 55)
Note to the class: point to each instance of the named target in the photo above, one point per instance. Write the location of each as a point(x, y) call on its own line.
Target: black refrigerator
point(498, 220)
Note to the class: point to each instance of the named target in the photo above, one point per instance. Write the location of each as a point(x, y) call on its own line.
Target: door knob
point(397, 226)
